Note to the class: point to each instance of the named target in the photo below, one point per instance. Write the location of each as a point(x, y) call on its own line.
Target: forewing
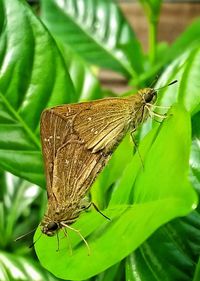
point(103, 124)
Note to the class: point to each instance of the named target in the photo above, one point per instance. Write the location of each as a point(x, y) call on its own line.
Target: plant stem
point(152, 40)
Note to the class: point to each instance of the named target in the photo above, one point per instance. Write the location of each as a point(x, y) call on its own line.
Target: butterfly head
point(149, 95)
point(50, 228)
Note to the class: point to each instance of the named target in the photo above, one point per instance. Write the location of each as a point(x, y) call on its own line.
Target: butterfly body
point(77, 142)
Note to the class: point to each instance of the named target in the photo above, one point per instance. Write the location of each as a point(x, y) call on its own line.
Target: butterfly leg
point(58, 248)
point(78, 232)
point(86, 207)
point(137, 149)
point(97, 209)
point(161, 116)
point(154, 114)
point(69, 242)
point(159, 106)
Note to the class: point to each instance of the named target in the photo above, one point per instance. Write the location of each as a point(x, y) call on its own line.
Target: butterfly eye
point(52, 225)
point(150, 96)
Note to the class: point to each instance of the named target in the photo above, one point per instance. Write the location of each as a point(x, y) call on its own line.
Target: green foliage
point(99, 33)
point(152, 9)
point(19, 211)
point(14, 267)
point(51, 62)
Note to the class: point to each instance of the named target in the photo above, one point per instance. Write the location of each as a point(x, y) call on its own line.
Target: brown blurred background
point(174, 18)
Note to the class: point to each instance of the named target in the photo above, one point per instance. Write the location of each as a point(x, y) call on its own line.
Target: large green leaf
point(33, 76)
point(197, 272)
point(85, 82)
point(186, 70)
point(176, 246)
point(162, 192)
point(17, 197)
point(169, 254)
point(97, 30)
point(102, 187)
point(15, 267)
point(190, 36)
point(114, 273)
point(18, 216)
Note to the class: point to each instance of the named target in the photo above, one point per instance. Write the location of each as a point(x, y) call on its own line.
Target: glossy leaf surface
point(97, 30)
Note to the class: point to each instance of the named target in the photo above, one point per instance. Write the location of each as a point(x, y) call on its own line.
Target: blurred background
point(175, 16)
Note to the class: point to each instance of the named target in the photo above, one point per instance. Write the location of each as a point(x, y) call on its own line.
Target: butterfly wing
point(70, 167)
point(51, 139)
point(103, 124)
point(75, 169)
point(100, 124)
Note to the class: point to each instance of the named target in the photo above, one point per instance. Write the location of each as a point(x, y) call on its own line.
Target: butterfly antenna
point(35, 241)
point(171, 83)
point(137, 149)
point(69, 241)
point(24, 235)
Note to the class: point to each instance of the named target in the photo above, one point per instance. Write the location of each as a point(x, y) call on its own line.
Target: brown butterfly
point(77, 142)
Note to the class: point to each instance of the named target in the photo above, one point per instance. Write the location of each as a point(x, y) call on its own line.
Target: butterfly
point(77, 142)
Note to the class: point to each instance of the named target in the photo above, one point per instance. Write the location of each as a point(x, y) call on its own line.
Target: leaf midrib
point(20, 120)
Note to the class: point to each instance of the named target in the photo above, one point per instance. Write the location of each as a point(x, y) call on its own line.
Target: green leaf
point(111, 173)
point(15, 213)
point(127, 180)
point(33, 77)
point(197, 272)
point(18, 216)
point(18, 196)
point(157, 191)
point(14, 267)
point(186, 70)
point(114, 273)
point(178, 251)
point(135, 268)
point(186, 39)
point(85, 82)
point(97, 30)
